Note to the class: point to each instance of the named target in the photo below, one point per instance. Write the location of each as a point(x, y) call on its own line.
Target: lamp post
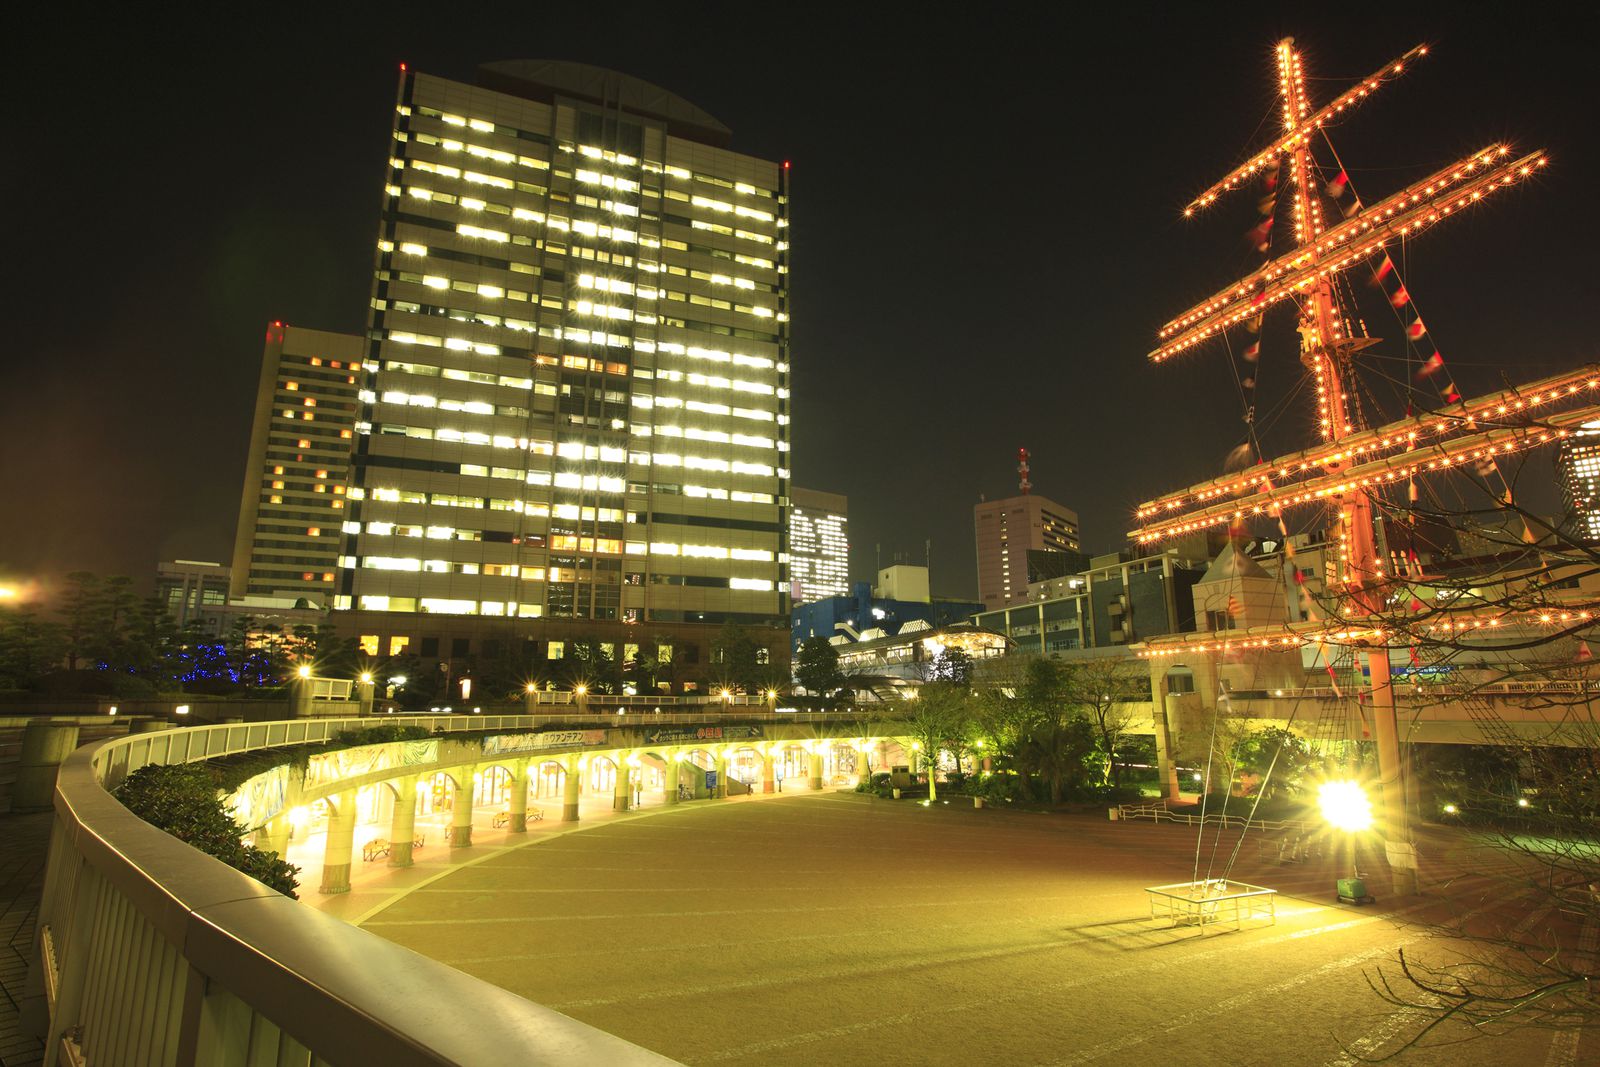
point(1346, 807)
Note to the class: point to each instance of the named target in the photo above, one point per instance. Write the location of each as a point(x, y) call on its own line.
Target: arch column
point(670, 758)
point(518, 823)
point(273, 835)
point(571, 782)
point(339, 843)
point(461, 810)
point(403, 823)
point(816, 769)
point(622, 793)
point(767, 761)
point(722, 773)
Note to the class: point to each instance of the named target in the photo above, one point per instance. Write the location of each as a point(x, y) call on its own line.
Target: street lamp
point(1346, 807)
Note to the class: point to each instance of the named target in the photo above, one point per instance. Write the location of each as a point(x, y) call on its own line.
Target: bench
point(374, 849)
point(503, 818)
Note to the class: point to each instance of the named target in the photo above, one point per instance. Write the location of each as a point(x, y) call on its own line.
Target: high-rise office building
point(1006, 530)
point(296, 476)
point(574, 399)
point(819, 545)
point(1579, 464)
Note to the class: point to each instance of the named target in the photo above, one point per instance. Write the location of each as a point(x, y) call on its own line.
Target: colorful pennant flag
point(1432, 366)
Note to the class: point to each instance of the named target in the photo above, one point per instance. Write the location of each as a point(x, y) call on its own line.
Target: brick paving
point(838, 929)
point(24, 842)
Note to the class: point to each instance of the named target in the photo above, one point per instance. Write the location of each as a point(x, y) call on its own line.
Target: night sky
point(987, 234)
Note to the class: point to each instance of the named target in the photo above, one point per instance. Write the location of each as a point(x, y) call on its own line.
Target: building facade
point(293, 505)
point(1118, 600)
point(819, 545)
point(575, 397)
point(193, 592)
point(572, 402)
point(1006, 531)
point(1579, 465)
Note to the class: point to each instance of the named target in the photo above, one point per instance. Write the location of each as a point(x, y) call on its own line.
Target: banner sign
point(495, 744)
point(261, 797)
point(673, 735)
point(368, 759)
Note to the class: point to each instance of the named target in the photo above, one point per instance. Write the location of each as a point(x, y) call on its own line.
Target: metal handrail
point(164, 954)
point(1158, 813)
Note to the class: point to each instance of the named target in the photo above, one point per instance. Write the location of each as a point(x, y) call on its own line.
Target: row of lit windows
point(510, 570)
point(650, 266)
point(647, 293)
point(586, 151)
point(708, 381)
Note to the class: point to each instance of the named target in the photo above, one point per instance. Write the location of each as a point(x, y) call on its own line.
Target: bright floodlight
point(303, 671)
point(1345, 805)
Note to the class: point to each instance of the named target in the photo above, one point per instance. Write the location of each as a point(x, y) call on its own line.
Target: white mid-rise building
point(819, 545)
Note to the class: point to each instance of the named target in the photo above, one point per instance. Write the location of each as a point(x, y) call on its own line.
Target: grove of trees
point(104, 639)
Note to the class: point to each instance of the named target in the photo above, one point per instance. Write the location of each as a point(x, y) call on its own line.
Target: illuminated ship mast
point(1352, 462)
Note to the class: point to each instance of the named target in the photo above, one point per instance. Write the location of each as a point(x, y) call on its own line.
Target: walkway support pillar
point(816, 769)
point(670, 758)
point(722, 773)
point(571, 782)
point(1166, 766)
point(767, 760)
point(518, 823)
point(273, 835)
point(339, 843)
point(403, 824)
point(622, 795)
point(461, 809)
point(44, 745)
point(300, 700)
point(1396, 824)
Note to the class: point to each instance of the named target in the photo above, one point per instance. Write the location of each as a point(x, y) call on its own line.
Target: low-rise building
point(1118, 600)
point(899, 596)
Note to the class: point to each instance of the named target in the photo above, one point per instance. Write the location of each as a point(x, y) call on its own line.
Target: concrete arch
point(601, 771)
point(704, 758)
point(549, 778)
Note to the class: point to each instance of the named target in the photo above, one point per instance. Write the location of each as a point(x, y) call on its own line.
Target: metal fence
point(153, 953)
point(1158, 813)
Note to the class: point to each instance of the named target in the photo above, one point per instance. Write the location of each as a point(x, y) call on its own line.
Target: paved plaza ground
point(836, 928)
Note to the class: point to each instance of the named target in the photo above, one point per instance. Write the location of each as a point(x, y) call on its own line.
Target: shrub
point(1002, 788)
point(378, 735)
point(182, 799)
